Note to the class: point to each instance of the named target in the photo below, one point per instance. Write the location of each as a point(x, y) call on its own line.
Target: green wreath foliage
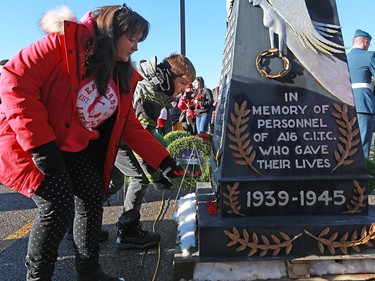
point(182, 150)
point(174, 135)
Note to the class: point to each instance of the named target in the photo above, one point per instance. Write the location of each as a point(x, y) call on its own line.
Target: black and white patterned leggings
point(77, 191)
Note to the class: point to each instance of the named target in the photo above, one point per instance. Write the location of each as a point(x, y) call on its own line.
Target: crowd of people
point(193, 110)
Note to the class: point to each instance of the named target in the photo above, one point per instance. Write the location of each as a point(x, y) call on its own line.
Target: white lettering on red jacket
point(93, 108)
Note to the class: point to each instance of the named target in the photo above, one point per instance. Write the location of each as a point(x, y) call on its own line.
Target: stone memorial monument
point(289, 173)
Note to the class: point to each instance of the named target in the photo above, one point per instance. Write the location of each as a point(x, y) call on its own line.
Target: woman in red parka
point(66, 103)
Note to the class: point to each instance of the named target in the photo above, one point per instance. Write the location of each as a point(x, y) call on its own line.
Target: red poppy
point(212, 209)
point(197, 174)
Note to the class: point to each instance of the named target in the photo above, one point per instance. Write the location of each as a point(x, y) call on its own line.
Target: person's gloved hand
point(47, 158)
point(160, 182)
point(171, 168)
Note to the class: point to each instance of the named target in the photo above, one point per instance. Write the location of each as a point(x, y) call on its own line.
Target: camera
point(189, 95)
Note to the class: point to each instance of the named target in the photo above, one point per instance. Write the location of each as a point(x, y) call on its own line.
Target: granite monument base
point(275, 237)
point(213, 254)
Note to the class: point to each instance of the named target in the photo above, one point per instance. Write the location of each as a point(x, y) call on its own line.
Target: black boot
point(39, 274)
point(93, 272)
point(97, 276)
point(130, 234)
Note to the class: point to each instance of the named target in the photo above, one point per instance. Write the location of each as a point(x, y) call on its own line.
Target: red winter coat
point(38, 90)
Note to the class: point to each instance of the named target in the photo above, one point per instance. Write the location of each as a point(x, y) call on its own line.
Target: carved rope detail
point(232, 199)
point(347, 136)
point(358, 199)
point(332, 243)
point(275, 245)
point(243, 151)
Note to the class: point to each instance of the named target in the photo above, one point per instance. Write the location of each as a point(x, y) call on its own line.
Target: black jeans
point(78, 192)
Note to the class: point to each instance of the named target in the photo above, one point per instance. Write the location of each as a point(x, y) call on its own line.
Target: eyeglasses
point(125, 7)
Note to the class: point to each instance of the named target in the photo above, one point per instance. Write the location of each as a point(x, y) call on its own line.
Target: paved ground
point(17, 211)
point(141, 265)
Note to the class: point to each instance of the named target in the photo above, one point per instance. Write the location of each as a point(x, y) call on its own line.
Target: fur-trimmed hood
point(52, 21)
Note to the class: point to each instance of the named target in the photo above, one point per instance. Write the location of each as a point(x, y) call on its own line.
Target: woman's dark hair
point(112, 22)
point(200, 81)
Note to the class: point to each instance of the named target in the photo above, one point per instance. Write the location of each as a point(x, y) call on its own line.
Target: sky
point(205, 22)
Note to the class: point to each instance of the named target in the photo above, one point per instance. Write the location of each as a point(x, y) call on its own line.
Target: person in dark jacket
point(175, 113)
point(65, 99)
point(162, 83)
point(203, 105)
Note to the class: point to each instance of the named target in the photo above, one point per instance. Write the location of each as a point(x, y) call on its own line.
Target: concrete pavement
point(17, 214)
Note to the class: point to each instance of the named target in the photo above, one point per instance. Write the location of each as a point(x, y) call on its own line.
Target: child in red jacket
point(186, 104)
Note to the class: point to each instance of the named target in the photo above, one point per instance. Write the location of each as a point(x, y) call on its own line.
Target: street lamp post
point(182, 27)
